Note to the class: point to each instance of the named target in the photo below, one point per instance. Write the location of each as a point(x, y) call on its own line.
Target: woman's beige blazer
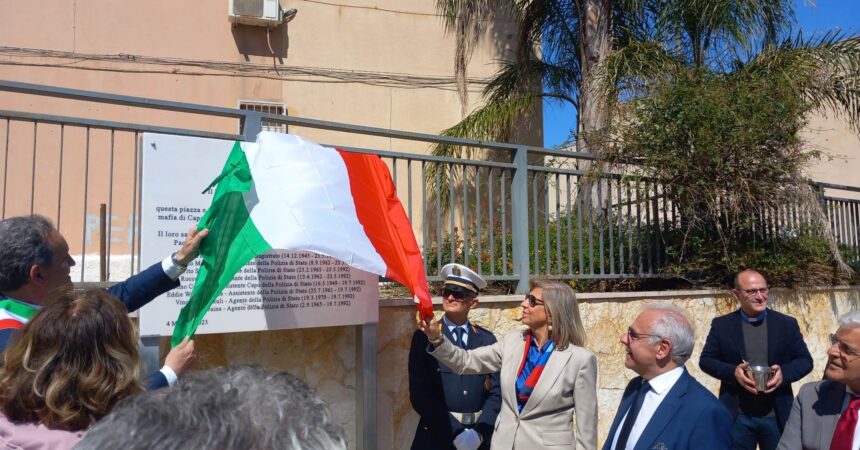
point(567, 388)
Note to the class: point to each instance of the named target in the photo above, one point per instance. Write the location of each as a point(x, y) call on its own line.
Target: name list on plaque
point(276, 290)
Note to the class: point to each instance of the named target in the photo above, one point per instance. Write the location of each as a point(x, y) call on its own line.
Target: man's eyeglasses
point(753, 292)
point(458, 295)
point(533, 301)
point(633, 335)
point(843, 348)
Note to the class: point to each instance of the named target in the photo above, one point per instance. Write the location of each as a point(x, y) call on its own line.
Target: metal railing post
point(366, 395)
point(520, 219)
point(252, 124)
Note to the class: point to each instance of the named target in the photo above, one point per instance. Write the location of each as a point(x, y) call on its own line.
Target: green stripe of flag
point(232, 242)
point(22, 310)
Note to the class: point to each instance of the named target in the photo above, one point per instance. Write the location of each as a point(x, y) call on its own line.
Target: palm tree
point(548, 61)
point(562, 42)
point(601, 55)
point(562, 49)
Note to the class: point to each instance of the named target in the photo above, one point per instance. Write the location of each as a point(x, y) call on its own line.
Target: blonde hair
point(562, 311)
point(73, 362)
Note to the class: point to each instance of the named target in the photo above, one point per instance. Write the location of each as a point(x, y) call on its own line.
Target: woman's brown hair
point(74, 360)
point(563, 312)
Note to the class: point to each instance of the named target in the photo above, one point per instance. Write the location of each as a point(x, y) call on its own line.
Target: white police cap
point(459, 277)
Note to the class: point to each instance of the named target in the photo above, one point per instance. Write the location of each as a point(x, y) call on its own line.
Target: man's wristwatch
point(436, 342)
point(176, 261)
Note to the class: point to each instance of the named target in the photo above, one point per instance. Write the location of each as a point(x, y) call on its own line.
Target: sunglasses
point(459, 296)
point(533, 301)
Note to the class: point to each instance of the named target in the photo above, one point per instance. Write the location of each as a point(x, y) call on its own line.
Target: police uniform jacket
point(434, 390)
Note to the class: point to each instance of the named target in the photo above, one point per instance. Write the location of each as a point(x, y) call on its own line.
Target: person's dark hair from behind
point(241, 407)
point(73, 362)
point(23, 243)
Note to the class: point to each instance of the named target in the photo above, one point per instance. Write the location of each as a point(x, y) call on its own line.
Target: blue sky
point(825, 15)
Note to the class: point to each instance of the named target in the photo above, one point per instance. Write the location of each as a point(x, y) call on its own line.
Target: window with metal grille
point(268, 108)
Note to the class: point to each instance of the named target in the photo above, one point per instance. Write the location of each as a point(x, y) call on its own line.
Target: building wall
point(379, 63)
point(841, 146)
point(325, 357)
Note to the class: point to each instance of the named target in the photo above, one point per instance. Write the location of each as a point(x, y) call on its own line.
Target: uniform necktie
point(458, 335)
point(632, 413)
point(843, 437)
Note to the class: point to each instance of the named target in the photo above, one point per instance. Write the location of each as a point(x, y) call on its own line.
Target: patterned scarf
point(534, 360)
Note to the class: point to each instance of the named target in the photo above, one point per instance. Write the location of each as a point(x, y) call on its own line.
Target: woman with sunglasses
point(547, 376)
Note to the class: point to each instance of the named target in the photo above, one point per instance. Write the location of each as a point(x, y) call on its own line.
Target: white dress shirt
point(173, 271)
point(855, 445)
point(660, 386)
point(451, 326)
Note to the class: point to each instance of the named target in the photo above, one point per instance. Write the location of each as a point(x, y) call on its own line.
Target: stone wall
point(326, 359)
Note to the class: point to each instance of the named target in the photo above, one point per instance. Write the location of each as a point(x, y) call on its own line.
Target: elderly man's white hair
point(674, 325)
point(242, 407)
point(850, 320)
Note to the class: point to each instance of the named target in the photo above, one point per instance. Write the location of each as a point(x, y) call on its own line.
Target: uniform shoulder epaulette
point(477, 328)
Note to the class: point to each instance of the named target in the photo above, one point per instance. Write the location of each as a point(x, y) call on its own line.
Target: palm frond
point(493, 122)
point(635, 69)
point(467, 19)
point(824, 71)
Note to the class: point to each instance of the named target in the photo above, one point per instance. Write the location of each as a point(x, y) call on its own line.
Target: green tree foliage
point(728, 144)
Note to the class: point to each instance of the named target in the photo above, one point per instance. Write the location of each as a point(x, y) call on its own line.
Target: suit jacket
point(156, 381)
point(143, 287)
point(724, 349)
point(434, 390)
point(689, 417)
point(813, 418)
point(137, 291)
point(134, 292)
point(567, 386)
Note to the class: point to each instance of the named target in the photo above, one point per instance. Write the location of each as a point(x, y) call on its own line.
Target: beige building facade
point(377, 63)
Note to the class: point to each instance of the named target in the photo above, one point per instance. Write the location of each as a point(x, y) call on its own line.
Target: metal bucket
point(761, 375)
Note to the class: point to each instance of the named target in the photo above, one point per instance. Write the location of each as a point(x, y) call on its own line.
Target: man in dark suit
point(457, 411)
point(664, 407)
point(824, 414)
point(755, 335)
point(35, 264)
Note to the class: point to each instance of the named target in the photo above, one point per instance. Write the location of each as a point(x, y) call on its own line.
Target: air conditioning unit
point(262, 13)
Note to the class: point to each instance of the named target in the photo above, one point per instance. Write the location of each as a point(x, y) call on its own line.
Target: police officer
point(457, 411)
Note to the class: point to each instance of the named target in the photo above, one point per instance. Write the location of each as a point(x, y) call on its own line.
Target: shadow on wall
point(261, 41)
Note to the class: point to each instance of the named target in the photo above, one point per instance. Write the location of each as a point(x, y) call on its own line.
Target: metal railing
point(521, 211)
point(843, 213)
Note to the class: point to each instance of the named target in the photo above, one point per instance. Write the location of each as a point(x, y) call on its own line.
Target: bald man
point(755, 336)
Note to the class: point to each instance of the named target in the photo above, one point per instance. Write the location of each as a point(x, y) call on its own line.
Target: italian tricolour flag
point(15, 314)
point(284, 192)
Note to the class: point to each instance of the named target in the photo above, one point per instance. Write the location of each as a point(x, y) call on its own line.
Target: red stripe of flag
point(10, 323)
point(386, 224)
